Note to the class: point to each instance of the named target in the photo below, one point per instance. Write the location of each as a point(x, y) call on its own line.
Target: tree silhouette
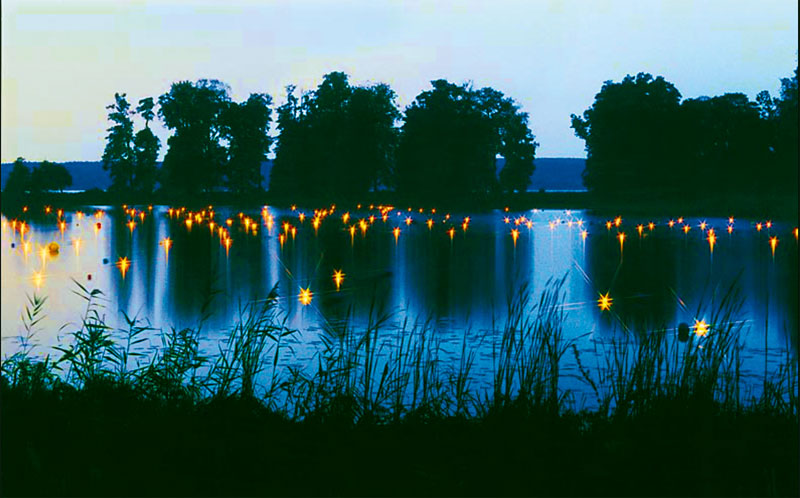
point(246, 127)
point(195, 156)
point(17, 183)
point(452, 136)
point(48, 176)
point(145, 150)
point(631, 135)
point(786, 136)
point(118, 156)
point(337, 140)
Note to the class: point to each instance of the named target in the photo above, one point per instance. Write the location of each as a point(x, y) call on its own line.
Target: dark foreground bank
point(108, 441)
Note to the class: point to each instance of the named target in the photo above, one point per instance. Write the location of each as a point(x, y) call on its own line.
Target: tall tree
point(145, 149)
point(246, 127)
point(118, 156)
point(338, 139)
point(786, 136)
point(452, 137)
point(631, 135)
point(17, 183)
point(195, 156)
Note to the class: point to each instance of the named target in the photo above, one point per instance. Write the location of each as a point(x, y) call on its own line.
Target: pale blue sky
point(62, 61)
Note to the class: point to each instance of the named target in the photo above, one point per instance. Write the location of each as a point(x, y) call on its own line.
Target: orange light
point(282, 239)
point(228, 242)
point(686, 229)
point(429, 223)
point(47, 209)
point(302, 217)
point(712, 239)
point(703, 225)
point(408, 220)
point(305, 296)
point(189, 223)
point(345, 217)
point(608, 225)
point(758, 226)
point(132, 225)
point(396, 233)
point(773, 243)
point(617, 221)
point(167, 243)
point(60, 213)
point(584, 234)
point(515, 236)
point(605, 302)
point(795, 233)
point(680, 220)
point(730, 229)
point(769, 224)
point(79, 214)
point(651, 226)
point(338, 277)
point(451, 232)
point(294, 232)
point(730, 220)
point(62, 226)
point(76, 243)
point(671, 223)
point(506, 220)
point(700, 328)
point(315, 222)
point(123, 264)
point(639, 229)
point(621, 237)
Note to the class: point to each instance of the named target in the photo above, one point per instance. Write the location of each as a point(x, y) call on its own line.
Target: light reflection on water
point(459, 279)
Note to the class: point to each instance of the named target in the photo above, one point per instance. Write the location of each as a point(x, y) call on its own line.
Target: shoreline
point(777, 207)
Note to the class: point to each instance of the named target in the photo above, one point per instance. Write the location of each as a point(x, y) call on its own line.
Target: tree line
point(43, 177)
point(641, 137)
point(336, 140)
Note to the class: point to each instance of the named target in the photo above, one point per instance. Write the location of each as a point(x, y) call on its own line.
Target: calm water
point(460, 280)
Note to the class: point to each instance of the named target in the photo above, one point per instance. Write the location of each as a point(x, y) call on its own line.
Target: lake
point(454, 271)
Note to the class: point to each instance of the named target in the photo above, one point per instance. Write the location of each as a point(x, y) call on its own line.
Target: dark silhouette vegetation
point(34, 182)
point(642, 138)
point(102, 415)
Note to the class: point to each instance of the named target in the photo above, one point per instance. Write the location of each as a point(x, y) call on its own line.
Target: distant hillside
point(552, 173)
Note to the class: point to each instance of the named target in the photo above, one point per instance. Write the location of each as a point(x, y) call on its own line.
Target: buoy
point(683, 332)
point(89, 276)
point(53, 248)
point(105, 261)
point(98, 225)
point(13, 245)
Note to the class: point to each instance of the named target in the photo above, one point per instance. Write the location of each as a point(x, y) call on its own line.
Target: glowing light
point(773, 243)
point(211, 227)
point(62, 225)
point(730, 220)
point(60, 213)
point(686, 229)
point(47, 209)
point(24, 209)
point(515, 236)
point(680, 220)
point(584, 234)
point(338, 278)
point(396, 233)
point(758, 226)
point(712, 239)
point(227, 243)
point(795, 233)
point(132, 225)
point(639, 229)
point(703, 225)
point(617, 221)
point(429, 223)
point(305, 296)
point(671, 223)
point(506, 220)
point(282, 239)
point(123, 264)
point(37, 278)
point(141, 216)
point(451, 232)
point(170, 211)
point(651, 226)
point(76, 243)
point(505, 209)
point(529, 224)
point(408, 221)
point(730, 229)
point(608, 225)
point(294, 232)
point(363, 225)
point(167, 243)
point(700, 328)
point(552, 225)
point(315, 223)
point(345, 217)
point(352, 232)
point(769, 224)
point(621, 237)
point(98, 214)
point(605, 302)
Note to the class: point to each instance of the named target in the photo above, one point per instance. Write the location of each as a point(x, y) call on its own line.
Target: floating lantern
point(515, 236)
point(396, 233)
point(338, 277)
point(773, 243)
point(605, 302)
point(305, 296)
point(123, 264)
point(700, 328)
point(53, 248)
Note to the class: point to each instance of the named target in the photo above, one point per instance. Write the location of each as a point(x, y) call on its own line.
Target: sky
point(62, 61)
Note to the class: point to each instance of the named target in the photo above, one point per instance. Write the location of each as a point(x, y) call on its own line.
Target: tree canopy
point(640, 136)
point(452, 136)
point(338, 139)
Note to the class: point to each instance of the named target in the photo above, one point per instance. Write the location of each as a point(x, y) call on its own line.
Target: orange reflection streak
point(352, 233)
point(773, 243)
point(617, 221)
point(76, 243)
point(712, 239)
point(671, 223)
point(680, 220)
point(651, 226)
point(189, 223)
point(282, 239)
point(703, 225)
point(228, 242)
point(730, 220)
point(345, 217)
point(408, 220)
point(429, 223)
point(640, 228)
point(167, 243)
point(584, 234)
point(302, 217)
point(686, 229)
point(758, 227)
point(451, 232)
point(730, 229)
point(396, 233)
point(608, 225)
point(515, 236)
point(37, 278)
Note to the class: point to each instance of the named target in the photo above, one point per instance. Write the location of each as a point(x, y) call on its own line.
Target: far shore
point(766, 206)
